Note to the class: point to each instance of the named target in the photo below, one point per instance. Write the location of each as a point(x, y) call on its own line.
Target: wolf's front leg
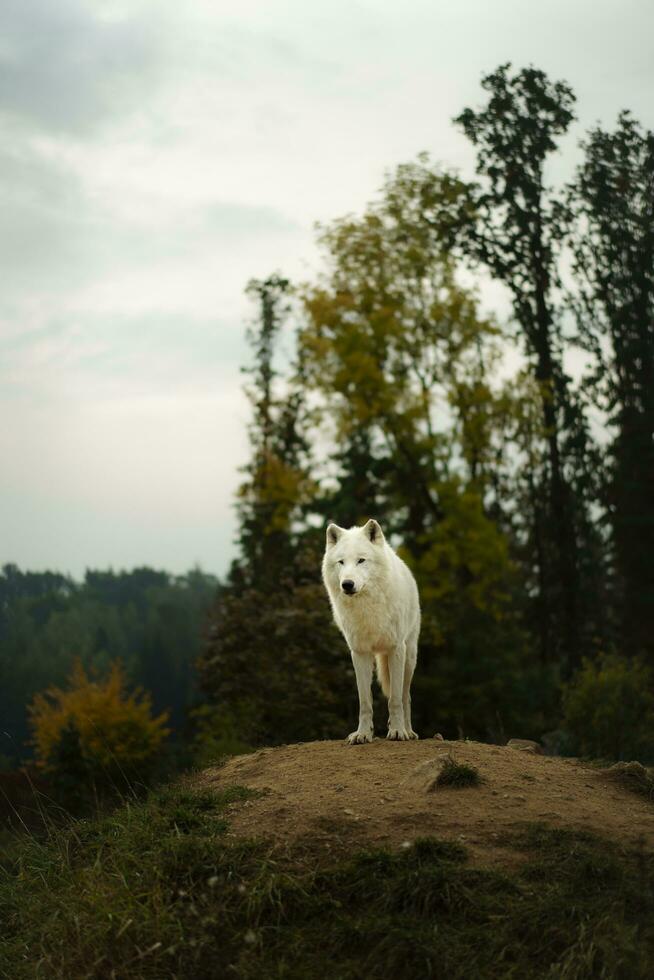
point(396, 723)
point(363, 671)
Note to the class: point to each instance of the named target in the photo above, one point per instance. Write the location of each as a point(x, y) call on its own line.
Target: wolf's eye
point(340, 562)
point(361, 561)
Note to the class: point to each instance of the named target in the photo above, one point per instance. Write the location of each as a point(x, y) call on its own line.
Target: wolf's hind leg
point(396, 721)
point(363, 670)
point(409, 667)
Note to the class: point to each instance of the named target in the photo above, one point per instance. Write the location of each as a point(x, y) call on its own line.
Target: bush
point(94, 735)
point(609, 709)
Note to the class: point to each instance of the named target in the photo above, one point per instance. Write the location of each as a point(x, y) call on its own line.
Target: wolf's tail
point(382, 673)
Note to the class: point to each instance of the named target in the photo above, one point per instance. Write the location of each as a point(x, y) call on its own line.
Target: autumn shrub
point(609, 709)
point(94, 735)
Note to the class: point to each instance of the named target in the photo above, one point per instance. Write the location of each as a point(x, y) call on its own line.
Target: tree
point(94, 733)
point(272, 668)
point(611, 208)
point(516, 235)
point(406, 369)
point(387, 333)
point(277, 482)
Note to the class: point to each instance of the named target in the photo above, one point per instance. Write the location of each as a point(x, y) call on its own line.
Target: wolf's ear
point(373, 531)
point(333, 534)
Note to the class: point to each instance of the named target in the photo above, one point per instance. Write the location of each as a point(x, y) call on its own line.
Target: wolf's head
point(352, 556)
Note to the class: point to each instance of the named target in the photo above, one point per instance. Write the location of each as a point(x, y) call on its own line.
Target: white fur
point(380, 620)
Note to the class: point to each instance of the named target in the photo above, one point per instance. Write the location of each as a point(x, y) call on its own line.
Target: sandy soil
point(337, 796)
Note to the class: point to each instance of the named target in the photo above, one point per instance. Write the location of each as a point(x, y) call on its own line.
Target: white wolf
point(374, 598)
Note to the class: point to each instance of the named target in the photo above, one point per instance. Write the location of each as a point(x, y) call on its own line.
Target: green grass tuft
point(456, 775)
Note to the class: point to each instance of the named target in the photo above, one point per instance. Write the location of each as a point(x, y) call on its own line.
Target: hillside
point(306, 859)
point(333, 794)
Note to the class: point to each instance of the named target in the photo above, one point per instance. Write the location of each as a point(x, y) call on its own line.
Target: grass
point(157, 890)
point(456, 775)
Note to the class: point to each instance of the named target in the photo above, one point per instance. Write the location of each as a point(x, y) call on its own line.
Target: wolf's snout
point(348, 586)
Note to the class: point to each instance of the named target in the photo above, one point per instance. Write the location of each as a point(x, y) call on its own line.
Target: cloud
point(66, 67)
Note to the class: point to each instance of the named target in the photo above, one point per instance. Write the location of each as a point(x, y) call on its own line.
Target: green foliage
point(156, 890)
point(609, 709)
point(464, 567)
point(476, 675)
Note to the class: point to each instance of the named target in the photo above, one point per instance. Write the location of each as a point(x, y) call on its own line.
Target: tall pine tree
point(515, 234)
point(612, 202)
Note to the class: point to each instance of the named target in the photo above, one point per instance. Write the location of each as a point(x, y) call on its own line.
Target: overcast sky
point(154, 156)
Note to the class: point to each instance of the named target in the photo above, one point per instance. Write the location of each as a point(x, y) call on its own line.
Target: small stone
point(350, 813)
point(525, 745)
point(438, 737)
point(213, 881)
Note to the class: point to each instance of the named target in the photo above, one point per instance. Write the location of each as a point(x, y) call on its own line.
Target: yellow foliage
point(115, 729)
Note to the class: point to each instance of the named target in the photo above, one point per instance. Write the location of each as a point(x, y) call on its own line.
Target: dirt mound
point(338, 796)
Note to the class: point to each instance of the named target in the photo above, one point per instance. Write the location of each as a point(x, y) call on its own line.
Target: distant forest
point(151, 621)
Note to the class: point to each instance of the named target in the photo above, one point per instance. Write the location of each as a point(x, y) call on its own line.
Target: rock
point(627, 769)
point(633, 776)
point(439, 737)
point(525, 745)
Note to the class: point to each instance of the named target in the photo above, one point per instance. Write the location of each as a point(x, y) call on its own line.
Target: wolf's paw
point(397, 735)
point(413, 734)
point(358, 738)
